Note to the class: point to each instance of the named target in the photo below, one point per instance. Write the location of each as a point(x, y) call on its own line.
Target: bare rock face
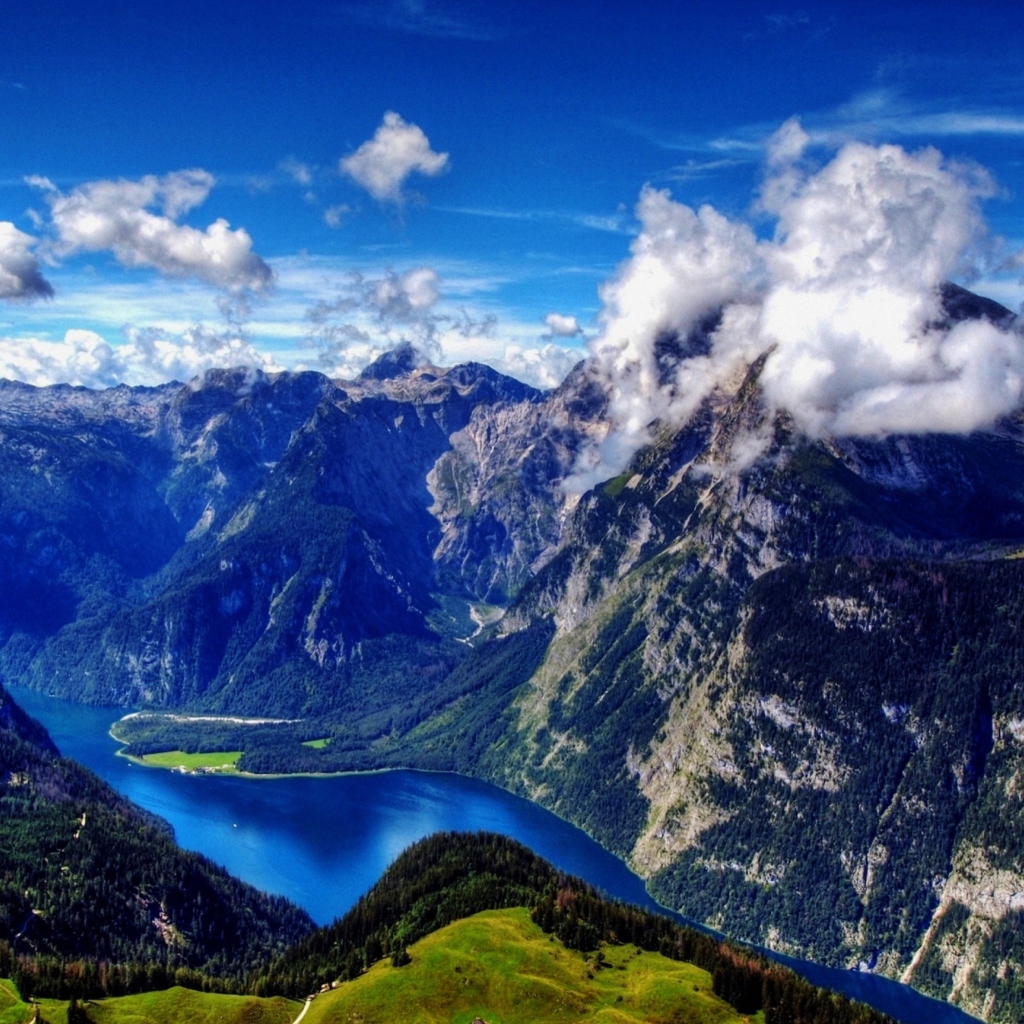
point(498, 492)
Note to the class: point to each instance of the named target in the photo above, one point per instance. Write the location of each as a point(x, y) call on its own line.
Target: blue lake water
point(323, 842)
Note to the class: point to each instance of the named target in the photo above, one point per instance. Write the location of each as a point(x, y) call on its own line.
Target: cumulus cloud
point(562, 326)
point(382, 164)
point(844, 300)
point(146, 356)
point(138, 221)
point(545, 366)
point(20, 276)
point(373, 315)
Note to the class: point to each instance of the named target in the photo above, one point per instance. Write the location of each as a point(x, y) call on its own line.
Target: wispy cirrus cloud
point(885, 113)
point(691, 170)
point(618, 223)
point(301, 173)
point(416, 17)
point(778, 23)
point(873, 115)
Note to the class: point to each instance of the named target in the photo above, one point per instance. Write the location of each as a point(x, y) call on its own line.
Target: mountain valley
point(778, 673)
point(117, 923)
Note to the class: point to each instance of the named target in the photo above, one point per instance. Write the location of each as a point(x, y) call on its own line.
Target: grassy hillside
point(499, 966)
point(449, 879)
point(172, 1006)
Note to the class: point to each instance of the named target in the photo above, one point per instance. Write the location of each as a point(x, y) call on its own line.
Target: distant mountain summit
point(395, 363)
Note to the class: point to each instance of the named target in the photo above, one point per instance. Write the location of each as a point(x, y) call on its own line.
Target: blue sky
point(539, 126)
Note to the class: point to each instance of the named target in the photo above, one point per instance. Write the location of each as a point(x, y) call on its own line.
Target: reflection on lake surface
point(323, 842)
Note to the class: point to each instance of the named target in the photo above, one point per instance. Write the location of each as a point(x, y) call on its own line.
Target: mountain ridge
point(631, 685)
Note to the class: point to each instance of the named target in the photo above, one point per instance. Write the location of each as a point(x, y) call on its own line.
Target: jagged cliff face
point(497, 492)
point(212, 541)
point(794, 687)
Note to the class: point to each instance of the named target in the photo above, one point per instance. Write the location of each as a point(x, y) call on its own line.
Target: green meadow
point(217, 760)
point(172, 1006)
point(499, 966)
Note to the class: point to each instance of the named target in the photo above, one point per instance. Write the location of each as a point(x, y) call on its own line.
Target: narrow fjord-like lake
point(324, 841)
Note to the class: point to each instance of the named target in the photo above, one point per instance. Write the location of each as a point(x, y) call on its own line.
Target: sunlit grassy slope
point(499, 966)
point(172, 1006)
point(496, 965)
point(12, 1009)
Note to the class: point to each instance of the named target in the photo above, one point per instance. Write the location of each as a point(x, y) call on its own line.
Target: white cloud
point(616, 224)
point(562, 326)
point(882, 113)
point(692, 169)
point(543, 367)
point(334, 215)
point(374, 314)
point(414, 17)
point(83, 358)
point(299, 172)
point(148, 356)
point(117, 216)
point(40, 181)
point(885, 112)
point(20, 276)
point(397, 149)
point(788, 143)
point(151, 355)
point(402, 298)
point(845, 299)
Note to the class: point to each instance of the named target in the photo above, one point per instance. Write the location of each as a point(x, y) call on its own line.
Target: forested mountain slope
point(463, 925)
point(202, 543)
point(87, 876)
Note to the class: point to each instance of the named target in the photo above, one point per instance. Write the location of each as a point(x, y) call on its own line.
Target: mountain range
point(778, 673)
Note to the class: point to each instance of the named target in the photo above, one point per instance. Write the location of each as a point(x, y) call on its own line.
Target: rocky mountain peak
point(396, 362)
point(960, 304)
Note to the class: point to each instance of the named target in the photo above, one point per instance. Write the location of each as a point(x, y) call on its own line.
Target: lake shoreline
point(323, 839)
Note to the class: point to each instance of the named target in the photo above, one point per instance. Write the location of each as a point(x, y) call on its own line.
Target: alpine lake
point(324, 841)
